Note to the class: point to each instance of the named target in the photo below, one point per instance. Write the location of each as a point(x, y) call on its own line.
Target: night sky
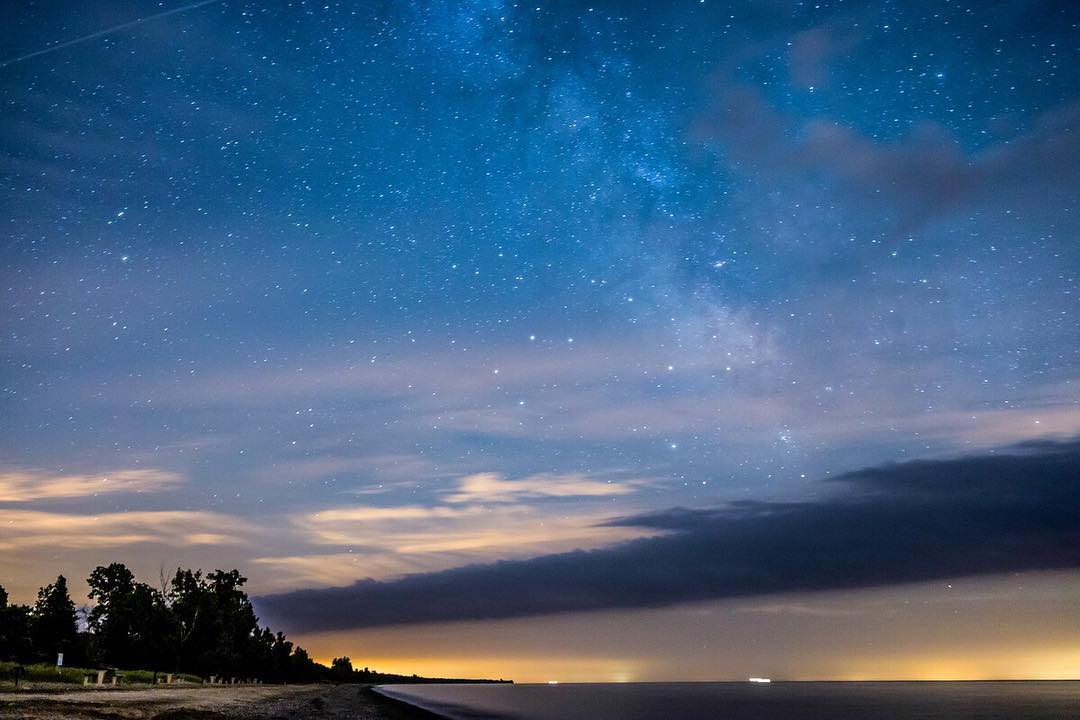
point(761, 312)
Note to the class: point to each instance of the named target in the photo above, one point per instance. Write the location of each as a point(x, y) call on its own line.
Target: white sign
point(59, 659)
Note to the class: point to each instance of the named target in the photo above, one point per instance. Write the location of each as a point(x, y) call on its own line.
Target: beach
point(253, 702)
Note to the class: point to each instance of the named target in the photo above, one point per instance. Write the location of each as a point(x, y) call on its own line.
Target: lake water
point(746, 701)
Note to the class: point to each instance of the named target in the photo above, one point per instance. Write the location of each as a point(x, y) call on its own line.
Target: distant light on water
point(760, 680)
point(553, 682)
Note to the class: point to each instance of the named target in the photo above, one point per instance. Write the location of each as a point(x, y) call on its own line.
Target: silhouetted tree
point(15, 639)
point(192, 616)
point(235, 620)
point(194, 622)
point(110, 619)
point(53, 626)
point(280, 653)
point(215, 627)
point(302, 668)
point(341, 669)
point(130, 621)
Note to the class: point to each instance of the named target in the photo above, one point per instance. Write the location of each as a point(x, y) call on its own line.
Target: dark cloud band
point(1017, 510)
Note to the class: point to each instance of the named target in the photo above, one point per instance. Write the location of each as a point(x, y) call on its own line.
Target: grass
point(43, 672)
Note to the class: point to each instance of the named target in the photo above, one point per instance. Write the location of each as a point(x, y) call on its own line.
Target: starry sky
point(667, 306)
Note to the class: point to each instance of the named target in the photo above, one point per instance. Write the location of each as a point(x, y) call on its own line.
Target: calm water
point(745, 701)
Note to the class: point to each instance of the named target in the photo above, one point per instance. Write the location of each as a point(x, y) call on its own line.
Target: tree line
point(195, 623)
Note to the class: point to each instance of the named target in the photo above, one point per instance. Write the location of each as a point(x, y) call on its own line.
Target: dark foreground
point(293, 702)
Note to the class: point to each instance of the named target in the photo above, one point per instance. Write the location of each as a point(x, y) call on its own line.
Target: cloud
point(287, 572)
point(24, 529)
point(30, 485)
point(1013, 510)
point(493, 488)
point(395, 513)
point(484, 517)
point(406, 535)
point(906, 183)
point(812, 50)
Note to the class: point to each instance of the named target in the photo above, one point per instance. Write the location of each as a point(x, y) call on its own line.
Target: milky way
point(334, 291)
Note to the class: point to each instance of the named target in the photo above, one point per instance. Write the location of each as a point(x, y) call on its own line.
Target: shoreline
point(410, 711)
point(252, 702)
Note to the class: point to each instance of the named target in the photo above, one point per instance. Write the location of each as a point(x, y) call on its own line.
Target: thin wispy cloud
point(21, 486)
point(25, 530)
point(494, 488)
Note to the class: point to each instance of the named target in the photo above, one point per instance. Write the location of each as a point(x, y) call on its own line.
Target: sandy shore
point(263, 702)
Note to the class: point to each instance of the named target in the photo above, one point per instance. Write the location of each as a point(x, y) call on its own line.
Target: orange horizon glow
point(934, 670)
point(953, 631)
